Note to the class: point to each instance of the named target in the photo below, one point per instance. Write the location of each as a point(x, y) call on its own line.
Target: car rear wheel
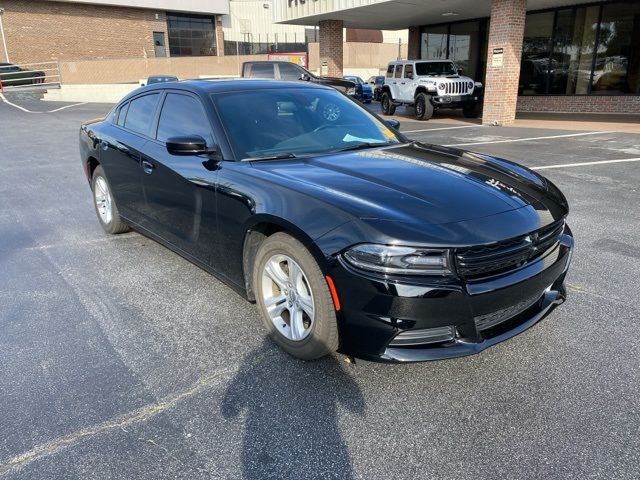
point(105, 205)
point(294, 299)
point(388, 108)
point(423, 107)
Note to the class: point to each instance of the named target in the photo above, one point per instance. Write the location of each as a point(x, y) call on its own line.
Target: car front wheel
point(294, 299)
point(423, 107)
point(105, 205)
point(388, 108)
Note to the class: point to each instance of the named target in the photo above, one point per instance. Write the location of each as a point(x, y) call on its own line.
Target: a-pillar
point(503, 61)
point(331, 45)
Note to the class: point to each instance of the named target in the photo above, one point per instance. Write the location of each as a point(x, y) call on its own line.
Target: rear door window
point(262, 70)
point(398, 73)
point(140, 114)
point(183, 115)
point(408, 71)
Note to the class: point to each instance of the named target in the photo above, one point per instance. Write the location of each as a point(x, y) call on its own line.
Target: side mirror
point(393, 123)
point(188, 145)
point(459, 71)
point(304, 77)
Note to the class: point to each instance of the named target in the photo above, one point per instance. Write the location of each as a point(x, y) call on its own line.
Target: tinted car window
point(183, 115)
point(288, 71)
point(408, 70)
point(140, 113)
point(435, 68)
point(122, 114)
point(262, 70)
point(398, 73)
point(390, 71)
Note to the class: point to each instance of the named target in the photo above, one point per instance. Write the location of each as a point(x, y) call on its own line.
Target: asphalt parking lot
point(119, 359)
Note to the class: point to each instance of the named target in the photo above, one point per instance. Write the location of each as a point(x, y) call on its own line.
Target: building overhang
point(217, 7)
point(391, 14)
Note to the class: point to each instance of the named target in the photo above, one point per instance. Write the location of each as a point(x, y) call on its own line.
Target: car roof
point(206, 86)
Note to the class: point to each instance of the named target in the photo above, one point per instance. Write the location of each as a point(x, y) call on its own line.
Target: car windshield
point(268, 123)
point(435, 68)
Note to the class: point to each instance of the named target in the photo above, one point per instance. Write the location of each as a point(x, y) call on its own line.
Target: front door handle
point(147, 166)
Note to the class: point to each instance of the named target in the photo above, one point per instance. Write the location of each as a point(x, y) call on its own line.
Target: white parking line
point(2, 97)
point(442, 128)
point(513, 140)
point(582, 164)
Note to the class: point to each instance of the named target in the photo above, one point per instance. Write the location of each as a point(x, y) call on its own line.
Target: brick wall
point(331, 45)
point(38, 31)
point(501, 84)
point(580, 104)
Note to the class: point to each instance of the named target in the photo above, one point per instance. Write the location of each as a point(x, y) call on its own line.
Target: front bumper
point(453, 100)
point(374, 310)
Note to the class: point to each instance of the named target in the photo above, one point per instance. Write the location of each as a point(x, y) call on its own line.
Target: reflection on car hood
point(420, 183)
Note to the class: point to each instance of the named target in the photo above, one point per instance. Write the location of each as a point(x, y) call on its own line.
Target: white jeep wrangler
point(428, 85)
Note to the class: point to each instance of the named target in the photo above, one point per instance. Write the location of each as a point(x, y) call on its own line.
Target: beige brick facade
point(331, 47)
point(38, 31)
point(501, 83)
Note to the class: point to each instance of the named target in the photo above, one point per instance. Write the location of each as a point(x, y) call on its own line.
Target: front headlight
point(393, 259)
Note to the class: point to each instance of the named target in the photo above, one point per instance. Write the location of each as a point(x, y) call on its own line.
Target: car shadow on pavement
point(291, 410)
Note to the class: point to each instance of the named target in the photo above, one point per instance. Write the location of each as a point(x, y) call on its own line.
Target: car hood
point(418, 183)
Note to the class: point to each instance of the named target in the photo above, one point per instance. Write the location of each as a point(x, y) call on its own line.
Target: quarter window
point(183, 115)
point(140, 113)
point(390, 71)
point(122, 114)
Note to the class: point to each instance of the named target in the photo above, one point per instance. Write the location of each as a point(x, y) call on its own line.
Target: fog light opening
point(424, 336)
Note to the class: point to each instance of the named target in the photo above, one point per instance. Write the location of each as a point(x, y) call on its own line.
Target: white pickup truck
point(428, 85)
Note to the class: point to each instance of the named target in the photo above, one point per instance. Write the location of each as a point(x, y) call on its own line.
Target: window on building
point(466, 47)
point(183, 115)
point(536, 52)
point(434, 42)
point(191, 35)
point(140, 114)
point(617, 66)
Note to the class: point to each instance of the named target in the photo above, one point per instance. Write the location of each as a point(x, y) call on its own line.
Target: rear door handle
point(147, 166)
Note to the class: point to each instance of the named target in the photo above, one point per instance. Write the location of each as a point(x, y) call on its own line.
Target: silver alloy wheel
point(103, 200)
point(287, 297)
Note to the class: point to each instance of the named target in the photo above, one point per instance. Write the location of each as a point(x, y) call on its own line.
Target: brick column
point(219, 36)
point(413, 50)
point(503, 71)
point(331, 45)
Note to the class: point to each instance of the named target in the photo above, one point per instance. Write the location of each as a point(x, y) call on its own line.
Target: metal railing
point(30, 76)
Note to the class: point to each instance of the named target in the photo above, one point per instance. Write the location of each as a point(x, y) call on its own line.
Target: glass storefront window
point(434, 43)
point(465, 47)
point(191, 36)
point(573, 44)
point(536, 50)
point(617, 67)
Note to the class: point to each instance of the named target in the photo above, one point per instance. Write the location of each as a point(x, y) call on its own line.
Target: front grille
point(489, 320)
point(495, 258)
point(456, 87)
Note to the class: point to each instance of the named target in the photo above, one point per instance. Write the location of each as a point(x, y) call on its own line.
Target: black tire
point(423, 107)
point(322, 338)
point(388, 108)
point(472, 110)
point(115, 225)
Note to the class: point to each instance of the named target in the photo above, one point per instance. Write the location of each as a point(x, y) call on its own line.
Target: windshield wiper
point(363, 145)
point(276, 156)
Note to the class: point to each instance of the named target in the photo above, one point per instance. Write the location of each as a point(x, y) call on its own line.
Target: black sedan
point(13, 76)
point(348, 236)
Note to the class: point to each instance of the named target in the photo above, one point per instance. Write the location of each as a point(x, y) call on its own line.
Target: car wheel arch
point(91, 164)
point(260, 228)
